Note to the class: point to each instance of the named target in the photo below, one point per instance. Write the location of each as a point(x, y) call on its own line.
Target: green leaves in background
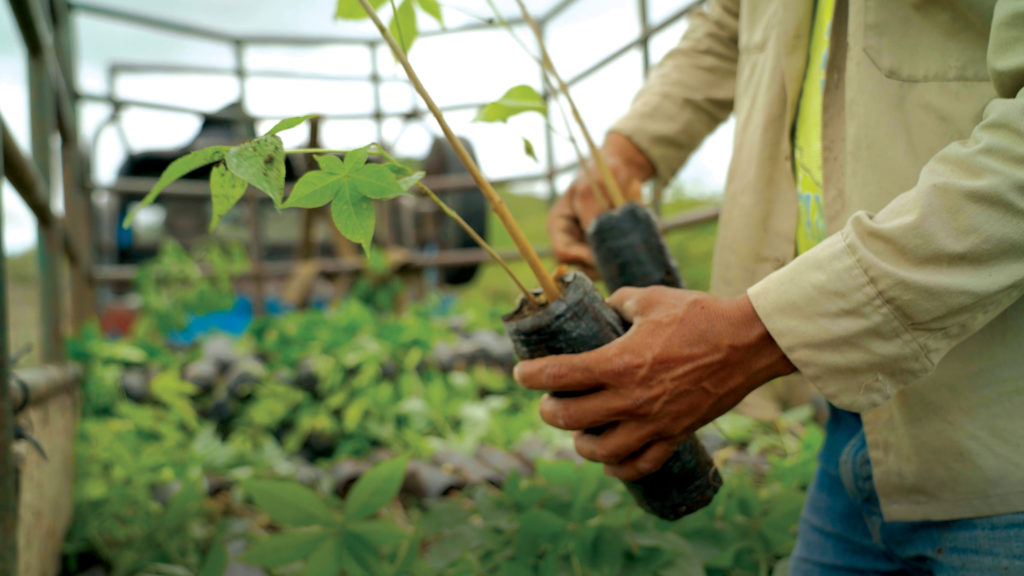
point(349, 186)
point(517, 100)
point(353, 10)
point(528, 149)
point(288, 503)
point(289, 123)
point(284, 548)
point(260, 162)
point(375, 489)
point(403, 25)
point(176, 170)
point(433, 8)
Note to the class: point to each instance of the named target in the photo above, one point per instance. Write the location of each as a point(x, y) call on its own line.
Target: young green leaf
point(284, 548)
point(528, 149)
point(403, 25)
point(354, 216)
point(216, 561)
point(289, 123)
point(175, 170)
point(288, 503)
point(330, 163)
point(326, 560)
point(378, 486)
point(226, 190)
point(353, 10)
point(407, 182)
point(356, 158)
point(260, 162)
point(433, 8)
point(380, 533)
point(516, 100)
point(375, 181)
point(314, 189)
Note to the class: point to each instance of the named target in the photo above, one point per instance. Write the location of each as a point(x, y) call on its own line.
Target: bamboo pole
point(617, 199)
point(547, 283)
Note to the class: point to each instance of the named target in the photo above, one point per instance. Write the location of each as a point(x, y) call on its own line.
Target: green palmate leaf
point(407, 182)
point(330, 163)
point(285, 548)
point(326, 560)
point(314, 189)
point(375, 181)
point(180, 167)
point(378, 532)
point(374, 489)
point(517, 100)
point(288, 503)
point(216, 561)
point(403, 25)
point(289, 123)
point(528, 149)
point(433, 8)
point(364, 554)
point(356, 158)
point(353, 10)
point(260, 162)
point(354, 216)
point(226, 190)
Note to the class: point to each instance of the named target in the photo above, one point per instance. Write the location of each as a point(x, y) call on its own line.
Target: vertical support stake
point(8, 472)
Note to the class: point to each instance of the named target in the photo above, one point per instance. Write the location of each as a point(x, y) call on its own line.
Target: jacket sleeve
point(876, 306)
point(689, 93)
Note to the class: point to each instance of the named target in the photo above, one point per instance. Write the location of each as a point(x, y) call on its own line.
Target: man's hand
point(574, 210)
point(688, 358)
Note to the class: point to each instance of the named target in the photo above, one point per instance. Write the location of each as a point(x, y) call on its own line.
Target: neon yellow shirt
point(807, 141)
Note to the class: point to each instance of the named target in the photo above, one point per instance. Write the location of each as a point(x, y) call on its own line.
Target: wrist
point(756, 348)
point(628, 155)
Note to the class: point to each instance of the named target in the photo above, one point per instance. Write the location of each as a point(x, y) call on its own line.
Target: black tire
point(467, 201)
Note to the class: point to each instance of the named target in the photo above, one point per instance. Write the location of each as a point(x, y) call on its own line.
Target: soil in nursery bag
point(580, 321)
point(630, 250)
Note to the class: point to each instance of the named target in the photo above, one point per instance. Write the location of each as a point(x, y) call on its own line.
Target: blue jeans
point(842, 531)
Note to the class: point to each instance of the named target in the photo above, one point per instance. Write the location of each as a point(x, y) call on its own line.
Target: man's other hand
point(582, 202)
point(687, 358)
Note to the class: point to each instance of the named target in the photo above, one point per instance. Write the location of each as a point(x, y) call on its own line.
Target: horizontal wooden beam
point(43, 382)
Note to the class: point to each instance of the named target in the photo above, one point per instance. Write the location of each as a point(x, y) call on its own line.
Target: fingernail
point(515, 373)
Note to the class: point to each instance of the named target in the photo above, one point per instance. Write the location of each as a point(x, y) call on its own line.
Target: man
point(883, 142)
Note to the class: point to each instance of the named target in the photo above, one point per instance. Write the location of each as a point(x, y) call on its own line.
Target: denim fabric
point(842, 532)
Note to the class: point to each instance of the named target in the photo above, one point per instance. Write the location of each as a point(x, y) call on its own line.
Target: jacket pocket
point(928, 40)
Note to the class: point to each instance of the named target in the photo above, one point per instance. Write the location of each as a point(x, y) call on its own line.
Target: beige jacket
point(911, 312)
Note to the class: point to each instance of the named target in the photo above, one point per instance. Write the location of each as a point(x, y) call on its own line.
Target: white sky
point(458, 68)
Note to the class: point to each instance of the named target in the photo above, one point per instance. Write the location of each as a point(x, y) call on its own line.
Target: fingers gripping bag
point(580, 321)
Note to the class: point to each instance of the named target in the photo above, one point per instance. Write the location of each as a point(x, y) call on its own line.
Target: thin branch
point(547, 284)
point(617, 199)
point(480, 241)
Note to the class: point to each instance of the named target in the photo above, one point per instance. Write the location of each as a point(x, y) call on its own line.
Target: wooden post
point(8, 472)
point(49, 244)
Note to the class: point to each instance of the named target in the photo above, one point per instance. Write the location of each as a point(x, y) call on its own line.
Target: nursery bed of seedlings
point(356, 441)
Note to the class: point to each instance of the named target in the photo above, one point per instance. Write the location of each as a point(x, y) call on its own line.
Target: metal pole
point(8, 472)
point(378, 112)
point(77, 205)
point(49, 243)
